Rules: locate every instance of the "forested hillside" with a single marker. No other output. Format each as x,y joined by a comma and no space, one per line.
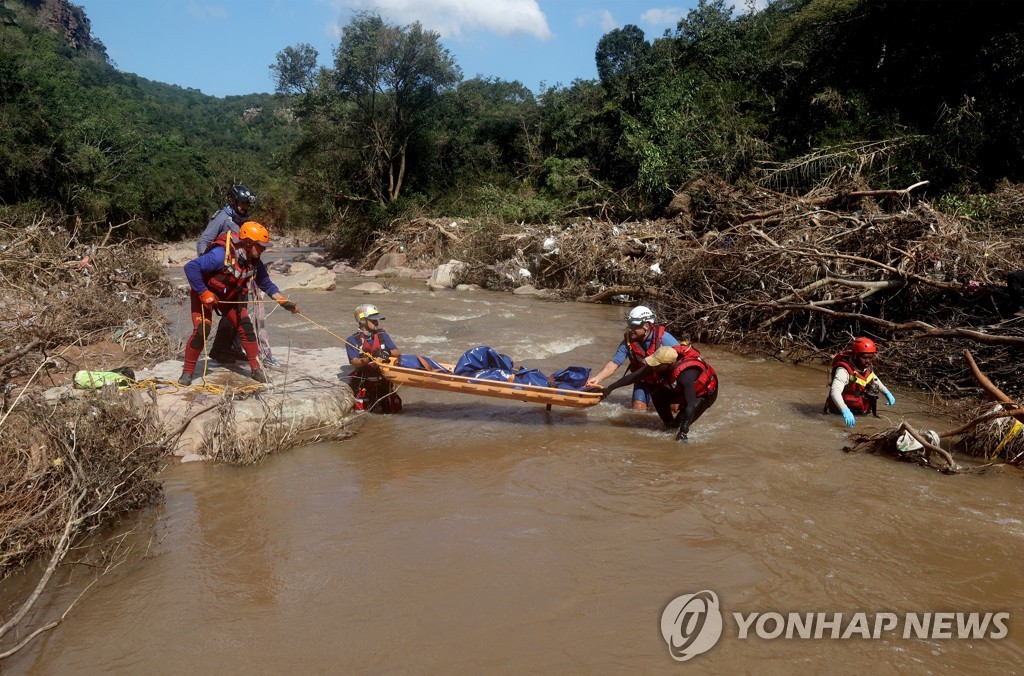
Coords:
79,137
798,94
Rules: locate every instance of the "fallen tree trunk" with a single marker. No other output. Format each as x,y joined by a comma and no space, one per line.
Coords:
994,392
926,330
830,199
609,293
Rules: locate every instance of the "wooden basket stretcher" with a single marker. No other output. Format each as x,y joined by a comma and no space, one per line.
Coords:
448,382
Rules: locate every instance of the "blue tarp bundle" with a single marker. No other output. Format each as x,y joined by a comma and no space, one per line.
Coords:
486,363
482,358
571,378
525,376
501,375
412,361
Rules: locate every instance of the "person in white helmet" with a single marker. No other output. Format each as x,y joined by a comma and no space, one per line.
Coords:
371,342
642,339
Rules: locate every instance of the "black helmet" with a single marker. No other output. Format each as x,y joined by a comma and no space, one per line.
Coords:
241,193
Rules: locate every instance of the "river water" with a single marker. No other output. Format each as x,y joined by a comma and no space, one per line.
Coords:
472,535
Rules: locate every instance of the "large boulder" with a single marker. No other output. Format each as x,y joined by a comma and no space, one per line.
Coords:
306,398
391,260
307,276
344,267
444,276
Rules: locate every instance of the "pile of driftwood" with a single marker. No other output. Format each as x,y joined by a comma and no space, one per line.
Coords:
70,288
995,432
66,472
793,276
70,468
802,278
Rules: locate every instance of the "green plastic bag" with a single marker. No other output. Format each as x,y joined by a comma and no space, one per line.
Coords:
94,380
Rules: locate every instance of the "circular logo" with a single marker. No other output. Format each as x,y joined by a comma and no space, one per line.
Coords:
691,624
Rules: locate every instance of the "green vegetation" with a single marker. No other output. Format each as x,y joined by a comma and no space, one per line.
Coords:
799,93
80,138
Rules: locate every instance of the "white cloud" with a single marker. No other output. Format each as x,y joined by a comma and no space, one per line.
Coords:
602,17
663,16
205,12
451,17
741,6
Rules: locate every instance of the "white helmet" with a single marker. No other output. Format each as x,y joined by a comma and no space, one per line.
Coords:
640,315
367,311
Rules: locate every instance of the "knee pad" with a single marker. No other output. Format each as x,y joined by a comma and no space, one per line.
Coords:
248,330
200,334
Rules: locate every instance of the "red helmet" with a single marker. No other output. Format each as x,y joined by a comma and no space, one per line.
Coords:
863,346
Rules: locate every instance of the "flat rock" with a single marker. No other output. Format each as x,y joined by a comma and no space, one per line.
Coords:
369,287
174,255
307,395
307,276
530,290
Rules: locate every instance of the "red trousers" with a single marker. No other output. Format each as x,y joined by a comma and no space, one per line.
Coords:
237,314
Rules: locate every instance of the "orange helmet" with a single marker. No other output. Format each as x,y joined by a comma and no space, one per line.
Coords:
863,346
255,232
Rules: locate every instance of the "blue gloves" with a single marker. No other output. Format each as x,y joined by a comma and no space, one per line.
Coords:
848,418
890,399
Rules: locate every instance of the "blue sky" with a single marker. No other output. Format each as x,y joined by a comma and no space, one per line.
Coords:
225,47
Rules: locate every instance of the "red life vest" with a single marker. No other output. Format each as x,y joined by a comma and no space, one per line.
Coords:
637,353
855,394
234,278
689,357
366,345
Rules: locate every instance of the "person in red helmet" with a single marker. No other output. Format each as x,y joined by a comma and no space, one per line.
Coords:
219,282
854,387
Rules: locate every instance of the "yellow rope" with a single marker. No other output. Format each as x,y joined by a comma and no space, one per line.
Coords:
344,340
206,387
219,389
1014,431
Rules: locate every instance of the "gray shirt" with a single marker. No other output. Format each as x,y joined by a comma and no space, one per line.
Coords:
220,222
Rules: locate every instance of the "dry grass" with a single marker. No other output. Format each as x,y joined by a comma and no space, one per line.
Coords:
227,444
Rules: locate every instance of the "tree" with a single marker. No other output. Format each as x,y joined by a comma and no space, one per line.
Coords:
295,71
622,58
387,77
484,131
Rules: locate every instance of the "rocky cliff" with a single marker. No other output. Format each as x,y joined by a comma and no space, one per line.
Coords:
69,20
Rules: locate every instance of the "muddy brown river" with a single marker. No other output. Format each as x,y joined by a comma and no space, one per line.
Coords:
470,535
